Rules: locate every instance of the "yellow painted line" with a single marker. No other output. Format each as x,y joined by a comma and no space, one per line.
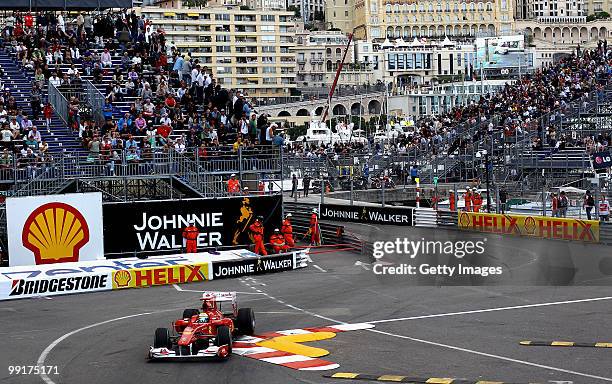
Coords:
291,343
344,375
603,345
391,378
525,342
562,344
489,382
440,380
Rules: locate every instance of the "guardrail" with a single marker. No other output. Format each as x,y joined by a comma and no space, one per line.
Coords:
331,234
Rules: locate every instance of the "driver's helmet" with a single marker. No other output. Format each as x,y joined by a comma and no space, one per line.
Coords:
202,318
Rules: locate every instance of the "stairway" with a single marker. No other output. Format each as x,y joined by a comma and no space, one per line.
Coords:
19,82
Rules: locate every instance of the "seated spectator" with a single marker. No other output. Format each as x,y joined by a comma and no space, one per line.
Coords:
106,59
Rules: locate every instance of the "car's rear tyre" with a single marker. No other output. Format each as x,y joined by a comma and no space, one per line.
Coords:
162,338
224,337
188,313
245,321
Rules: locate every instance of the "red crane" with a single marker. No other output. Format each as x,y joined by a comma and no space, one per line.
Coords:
335,83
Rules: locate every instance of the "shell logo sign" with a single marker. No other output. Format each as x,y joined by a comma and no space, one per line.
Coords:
55,229
55,232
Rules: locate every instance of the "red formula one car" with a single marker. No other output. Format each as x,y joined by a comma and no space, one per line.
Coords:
206,332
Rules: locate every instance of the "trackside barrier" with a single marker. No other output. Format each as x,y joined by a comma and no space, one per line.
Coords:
425,217
106,275
332,235
533,226
605,233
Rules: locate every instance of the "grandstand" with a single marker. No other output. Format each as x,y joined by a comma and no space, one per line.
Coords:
102,70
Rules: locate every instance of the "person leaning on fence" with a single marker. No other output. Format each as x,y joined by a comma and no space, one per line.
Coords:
603,209
563,204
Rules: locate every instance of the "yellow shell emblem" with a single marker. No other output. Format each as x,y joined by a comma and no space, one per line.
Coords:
55,233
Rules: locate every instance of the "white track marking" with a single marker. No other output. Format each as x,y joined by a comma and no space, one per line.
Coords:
269,313
447,346
497,309
498,357
45,353
319,268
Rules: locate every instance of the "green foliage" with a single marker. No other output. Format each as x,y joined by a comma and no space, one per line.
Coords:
598,16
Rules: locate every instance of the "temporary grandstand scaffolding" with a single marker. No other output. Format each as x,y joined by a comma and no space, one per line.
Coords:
124,176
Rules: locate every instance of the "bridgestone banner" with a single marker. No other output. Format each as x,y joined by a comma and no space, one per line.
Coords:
533,226
366,214
155,227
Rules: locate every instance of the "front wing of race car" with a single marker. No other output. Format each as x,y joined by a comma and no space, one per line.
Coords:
211,351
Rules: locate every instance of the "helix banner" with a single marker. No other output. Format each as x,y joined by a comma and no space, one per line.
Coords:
534,226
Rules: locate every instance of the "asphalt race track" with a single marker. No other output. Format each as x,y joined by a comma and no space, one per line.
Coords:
104,337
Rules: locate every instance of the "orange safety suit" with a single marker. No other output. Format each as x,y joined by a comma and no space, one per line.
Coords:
477,201
257,230
278,243
233,186
190,234
315,236
451,199
287,231
468,201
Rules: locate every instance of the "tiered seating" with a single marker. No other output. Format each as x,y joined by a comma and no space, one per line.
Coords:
19,83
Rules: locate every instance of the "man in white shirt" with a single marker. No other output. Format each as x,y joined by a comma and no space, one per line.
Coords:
6,135
604,209
35,134
55,80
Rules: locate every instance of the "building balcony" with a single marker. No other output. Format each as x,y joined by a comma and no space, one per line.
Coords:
561,19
